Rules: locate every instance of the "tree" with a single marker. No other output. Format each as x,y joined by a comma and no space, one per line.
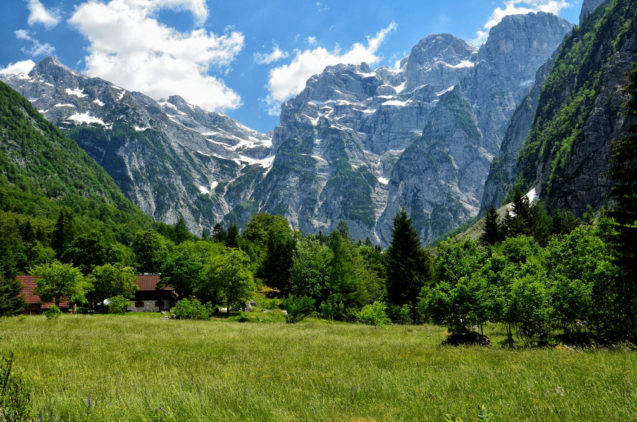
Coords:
57,280
232,237
150,250
309,274
111,280
63,233
219,233
278,262
228,278
11,302
519,220
493,233
623,173
408,266
181,232
87,251
183,269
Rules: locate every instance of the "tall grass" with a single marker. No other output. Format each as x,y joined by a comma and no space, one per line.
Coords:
133,368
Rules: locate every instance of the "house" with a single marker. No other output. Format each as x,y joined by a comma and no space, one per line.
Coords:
147,298
33,303
150,299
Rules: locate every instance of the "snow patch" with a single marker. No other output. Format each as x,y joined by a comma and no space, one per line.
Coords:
396,103
400,88
266,162
527,83
204,190
64,105
438,94
383,180
140,129
80,118
98,102
76,92
462,65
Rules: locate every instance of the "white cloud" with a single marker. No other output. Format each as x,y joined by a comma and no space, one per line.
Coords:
518,7
322,7
310,40
276,55
288,80
18,68
37,48
39,14
129,47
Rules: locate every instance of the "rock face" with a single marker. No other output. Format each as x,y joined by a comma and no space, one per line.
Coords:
170,158
352,147
578,116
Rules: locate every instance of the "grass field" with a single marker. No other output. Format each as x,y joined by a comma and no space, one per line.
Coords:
141,368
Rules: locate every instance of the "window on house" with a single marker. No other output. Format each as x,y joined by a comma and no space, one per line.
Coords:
139,304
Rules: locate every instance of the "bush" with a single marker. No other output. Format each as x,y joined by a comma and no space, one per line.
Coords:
117,305
14,399
192,309
374,314
53,312
298,307
399,314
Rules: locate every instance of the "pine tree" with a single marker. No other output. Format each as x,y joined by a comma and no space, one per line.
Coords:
232,237
623,173
492,231
181,232
408,267
63,233
11,302
218,233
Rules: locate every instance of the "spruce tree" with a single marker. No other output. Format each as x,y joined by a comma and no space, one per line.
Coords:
232,237
181,232
623,173
11,302
492,231
408,267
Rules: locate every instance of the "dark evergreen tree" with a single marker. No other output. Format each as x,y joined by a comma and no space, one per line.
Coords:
11,302
408,266
181,232
232,238
219,233
493,233
518,221
63,233
563,222
278,261
623,173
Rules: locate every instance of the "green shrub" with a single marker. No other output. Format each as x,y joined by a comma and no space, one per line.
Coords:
14,398
53,312
298,307
192,309
117,305
374,314
399,314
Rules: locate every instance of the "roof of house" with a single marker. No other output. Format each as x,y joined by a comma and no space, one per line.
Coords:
28,291
148,282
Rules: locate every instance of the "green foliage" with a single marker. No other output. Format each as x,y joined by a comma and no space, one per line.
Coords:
297,307
150,250
52,313
118,305
109,280
57,280
11,302
228,280
309,274
191,309
183,269
408,266
493,232
374,314
14,397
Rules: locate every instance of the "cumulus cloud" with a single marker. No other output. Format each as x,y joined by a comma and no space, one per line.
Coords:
129,47
276,55
311,40
518,7
37,48
288,80
18,68
39,14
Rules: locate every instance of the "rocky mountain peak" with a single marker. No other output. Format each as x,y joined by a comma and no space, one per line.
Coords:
52,70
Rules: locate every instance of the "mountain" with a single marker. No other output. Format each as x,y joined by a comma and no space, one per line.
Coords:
577,118
170,158
42,172
356,144
359,144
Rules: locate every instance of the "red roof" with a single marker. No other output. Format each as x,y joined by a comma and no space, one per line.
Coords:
148,282
28,291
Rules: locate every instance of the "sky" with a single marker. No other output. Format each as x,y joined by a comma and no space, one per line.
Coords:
239,57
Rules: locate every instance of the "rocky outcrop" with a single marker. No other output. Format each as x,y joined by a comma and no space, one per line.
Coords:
589,7
352,147
579,112
170,158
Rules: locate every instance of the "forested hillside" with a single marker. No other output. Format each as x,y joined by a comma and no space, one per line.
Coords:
46,177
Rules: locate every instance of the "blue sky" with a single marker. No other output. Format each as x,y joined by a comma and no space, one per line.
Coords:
242,57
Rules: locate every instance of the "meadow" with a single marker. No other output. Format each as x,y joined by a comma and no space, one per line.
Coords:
144,368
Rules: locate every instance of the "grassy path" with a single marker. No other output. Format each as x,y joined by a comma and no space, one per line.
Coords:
135,368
